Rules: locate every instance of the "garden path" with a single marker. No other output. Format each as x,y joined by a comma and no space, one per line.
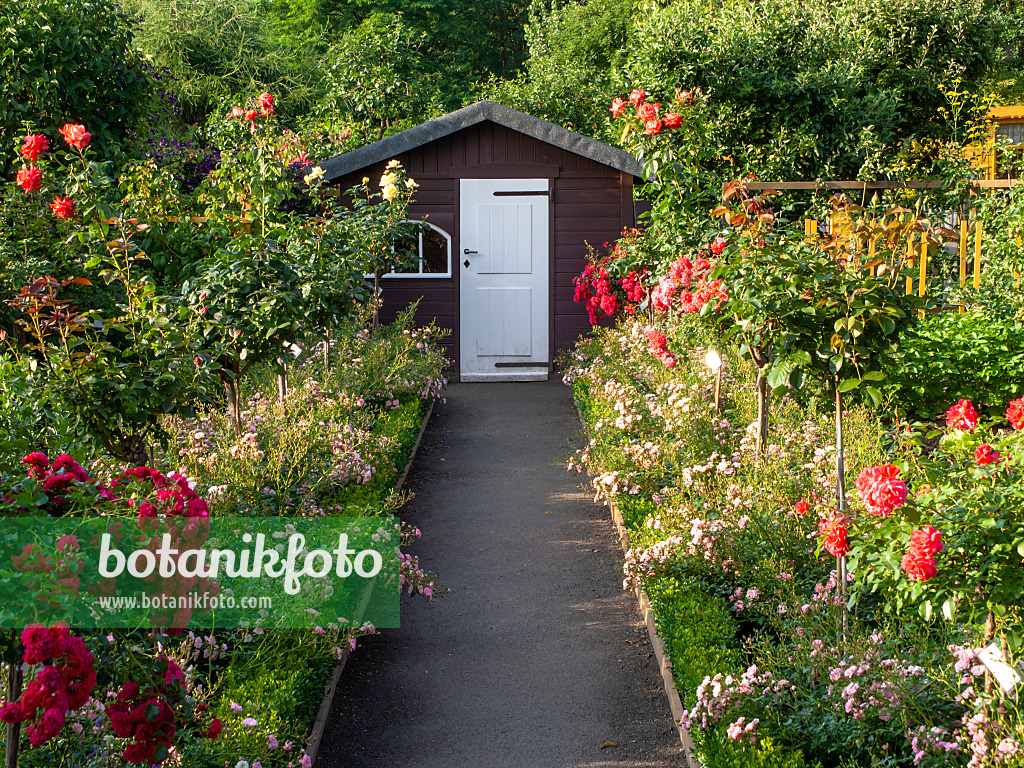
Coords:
537,657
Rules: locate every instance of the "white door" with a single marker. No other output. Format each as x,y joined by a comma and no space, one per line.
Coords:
503,295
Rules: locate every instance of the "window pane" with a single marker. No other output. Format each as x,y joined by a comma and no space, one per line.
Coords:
435,252
406,248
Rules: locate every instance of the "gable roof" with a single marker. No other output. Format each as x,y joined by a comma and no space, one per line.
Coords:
439,127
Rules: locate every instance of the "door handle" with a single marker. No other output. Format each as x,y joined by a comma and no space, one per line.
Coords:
467,251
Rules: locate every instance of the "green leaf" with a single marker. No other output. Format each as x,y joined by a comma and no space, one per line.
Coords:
847,385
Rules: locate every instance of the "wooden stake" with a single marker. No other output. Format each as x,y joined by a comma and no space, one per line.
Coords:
977,255
922,279
963,258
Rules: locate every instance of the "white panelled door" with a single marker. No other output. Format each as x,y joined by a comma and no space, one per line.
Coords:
504,291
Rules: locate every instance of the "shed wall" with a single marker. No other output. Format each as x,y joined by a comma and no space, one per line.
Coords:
592,204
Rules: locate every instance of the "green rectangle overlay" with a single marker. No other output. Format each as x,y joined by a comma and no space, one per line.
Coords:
200,573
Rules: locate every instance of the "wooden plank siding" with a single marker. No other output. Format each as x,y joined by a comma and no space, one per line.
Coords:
592,203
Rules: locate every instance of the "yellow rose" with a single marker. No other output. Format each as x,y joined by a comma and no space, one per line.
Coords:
390,192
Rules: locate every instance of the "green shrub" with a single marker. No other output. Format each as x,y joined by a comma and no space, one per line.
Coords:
949,356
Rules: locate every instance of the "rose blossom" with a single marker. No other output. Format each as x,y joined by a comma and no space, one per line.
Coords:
617,107
919,566
648,111
29,179
34,145
962,417
833,530
881,489
672,120
637,96
62,207
1015,413
652,127
75,135
801,507
986,454
266,102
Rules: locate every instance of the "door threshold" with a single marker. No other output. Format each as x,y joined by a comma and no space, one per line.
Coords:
506,375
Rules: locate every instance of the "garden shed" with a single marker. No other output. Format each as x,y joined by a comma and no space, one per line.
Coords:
511,202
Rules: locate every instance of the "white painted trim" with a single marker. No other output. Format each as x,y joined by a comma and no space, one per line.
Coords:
506,375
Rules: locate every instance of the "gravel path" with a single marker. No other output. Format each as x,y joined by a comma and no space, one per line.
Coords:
537,657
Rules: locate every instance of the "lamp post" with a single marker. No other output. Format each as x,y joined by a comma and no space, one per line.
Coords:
714,361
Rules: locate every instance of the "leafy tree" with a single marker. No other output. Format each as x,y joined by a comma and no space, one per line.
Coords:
569,76
69,61
379,79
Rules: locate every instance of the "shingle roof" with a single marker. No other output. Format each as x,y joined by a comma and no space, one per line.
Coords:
385,149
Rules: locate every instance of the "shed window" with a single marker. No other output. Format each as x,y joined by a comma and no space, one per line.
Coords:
434,248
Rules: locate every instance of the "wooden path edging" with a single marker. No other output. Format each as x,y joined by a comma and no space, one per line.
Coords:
327,703
675,702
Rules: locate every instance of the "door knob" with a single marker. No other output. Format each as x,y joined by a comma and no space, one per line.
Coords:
467,251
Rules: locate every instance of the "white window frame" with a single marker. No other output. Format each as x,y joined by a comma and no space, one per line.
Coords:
419,243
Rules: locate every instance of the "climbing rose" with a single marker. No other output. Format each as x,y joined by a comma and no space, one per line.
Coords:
251,114
29,179
62,207
1015,413
718,245
35,144
881,489
673,120
75,135
637,96
617,107
962,417
832,529
648,111
652,127
985,454
801,507
266,102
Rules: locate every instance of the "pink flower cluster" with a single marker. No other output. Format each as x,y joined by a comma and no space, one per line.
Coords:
60,476
659,347
60,686
881,489
689,279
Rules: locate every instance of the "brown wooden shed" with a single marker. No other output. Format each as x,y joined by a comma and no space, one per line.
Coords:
512,201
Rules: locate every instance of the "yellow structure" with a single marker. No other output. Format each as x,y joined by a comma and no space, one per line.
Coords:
1005,122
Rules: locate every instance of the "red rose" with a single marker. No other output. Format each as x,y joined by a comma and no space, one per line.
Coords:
29,179
266,102
919,566
673,120
75,135
34,145
236,112
684,97
926,541
214,730
718,245
617,107
801,507
648,111
833,530
652,127
62,207
985,454
11,712
637,96
1015,413
251,114
962,417
881,489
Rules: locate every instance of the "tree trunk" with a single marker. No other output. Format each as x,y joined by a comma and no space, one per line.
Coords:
763,404
376,301
841,495
282,382
13,729
134,450
231,393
